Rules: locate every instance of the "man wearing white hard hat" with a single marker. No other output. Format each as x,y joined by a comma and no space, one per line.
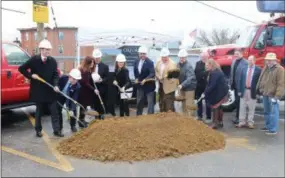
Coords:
271,86
167,84
123,82
101,81
143,71
44,66
187,80
69,85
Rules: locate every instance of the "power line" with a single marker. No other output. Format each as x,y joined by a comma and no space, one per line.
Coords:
12,10
225,12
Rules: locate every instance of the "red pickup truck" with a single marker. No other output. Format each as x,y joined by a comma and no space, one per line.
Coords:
14,86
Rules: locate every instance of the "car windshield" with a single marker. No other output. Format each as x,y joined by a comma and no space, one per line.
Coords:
246,36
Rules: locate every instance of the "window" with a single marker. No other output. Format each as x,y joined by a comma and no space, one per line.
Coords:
60,35
26,36
35,36
278,36
259,44
15,55
60,49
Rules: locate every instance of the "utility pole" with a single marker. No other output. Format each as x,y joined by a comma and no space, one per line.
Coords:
40,16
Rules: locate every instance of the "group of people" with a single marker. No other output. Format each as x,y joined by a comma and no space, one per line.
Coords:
93,85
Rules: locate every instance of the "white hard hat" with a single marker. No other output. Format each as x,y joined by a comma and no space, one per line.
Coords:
142,49
182,53
164,52
75,73
45,44
95,76
121,58
97,53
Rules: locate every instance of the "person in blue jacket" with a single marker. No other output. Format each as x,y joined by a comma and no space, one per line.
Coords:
216,92
71,87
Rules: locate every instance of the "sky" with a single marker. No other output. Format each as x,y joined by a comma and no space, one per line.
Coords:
176,18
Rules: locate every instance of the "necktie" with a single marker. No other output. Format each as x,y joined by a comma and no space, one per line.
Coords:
248,78
44,60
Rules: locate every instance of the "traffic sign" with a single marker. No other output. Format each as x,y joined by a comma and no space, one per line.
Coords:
40,11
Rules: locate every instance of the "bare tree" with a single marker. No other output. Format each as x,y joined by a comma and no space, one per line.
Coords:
217,37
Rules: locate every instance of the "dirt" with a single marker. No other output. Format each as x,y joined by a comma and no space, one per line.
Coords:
142,138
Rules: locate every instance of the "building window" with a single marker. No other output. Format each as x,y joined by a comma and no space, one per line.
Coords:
36,36
60,35
60,49
26,36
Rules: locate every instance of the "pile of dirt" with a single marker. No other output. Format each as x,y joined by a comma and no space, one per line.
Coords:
142,138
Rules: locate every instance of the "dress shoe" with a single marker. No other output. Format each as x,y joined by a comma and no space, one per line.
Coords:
58,134
39,134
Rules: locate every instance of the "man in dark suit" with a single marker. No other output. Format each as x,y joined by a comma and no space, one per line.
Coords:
247,92
143,70
102,83
44,66
71,87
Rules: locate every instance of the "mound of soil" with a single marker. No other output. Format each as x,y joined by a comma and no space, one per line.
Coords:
142,138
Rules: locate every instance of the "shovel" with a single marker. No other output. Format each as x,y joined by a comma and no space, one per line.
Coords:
127,97
87,112
194,107
99,96
147,80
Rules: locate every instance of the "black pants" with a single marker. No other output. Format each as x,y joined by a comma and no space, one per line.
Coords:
82,113
54,116
124,108
72,119
237,101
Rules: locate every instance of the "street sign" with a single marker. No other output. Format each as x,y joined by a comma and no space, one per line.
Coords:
40,11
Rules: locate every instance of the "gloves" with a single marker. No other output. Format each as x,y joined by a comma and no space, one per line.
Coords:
274,100
96,92
115,82
179,87
203,95
123,90
239,94
71,113
142,82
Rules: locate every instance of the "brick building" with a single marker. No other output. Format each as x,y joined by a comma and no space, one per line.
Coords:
63,41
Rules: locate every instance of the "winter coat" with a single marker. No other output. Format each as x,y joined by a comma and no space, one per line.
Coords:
201,77
235,75
147,72
271,82
217,87
40,92
123,79
86,93
242,82
170,66
187,78
72,91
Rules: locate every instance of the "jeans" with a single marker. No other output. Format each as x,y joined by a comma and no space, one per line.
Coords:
237,103
200,110
271,114
140,101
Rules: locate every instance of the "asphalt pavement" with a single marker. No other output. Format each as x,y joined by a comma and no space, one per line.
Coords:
247,153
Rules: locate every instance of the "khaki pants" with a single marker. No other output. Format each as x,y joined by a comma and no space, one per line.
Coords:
247,102
188,102
166,101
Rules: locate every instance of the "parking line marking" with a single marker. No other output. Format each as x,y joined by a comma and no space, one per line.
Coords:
64,164
34,158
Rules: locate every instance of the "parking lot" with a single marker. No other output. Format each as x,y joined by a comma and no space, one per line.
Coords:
247,153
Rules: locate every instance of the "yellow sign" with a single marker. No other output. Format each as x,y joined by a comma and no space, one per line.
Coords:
40,13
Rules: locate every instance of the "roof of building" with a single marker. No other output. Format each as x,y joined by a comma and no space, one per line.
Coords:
47,27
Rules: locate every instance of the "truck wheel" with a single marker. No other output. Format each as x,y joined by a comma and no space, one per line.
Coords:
229,106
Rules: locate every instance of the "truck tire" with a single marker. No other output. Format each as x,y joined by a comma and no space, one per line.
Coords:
229,106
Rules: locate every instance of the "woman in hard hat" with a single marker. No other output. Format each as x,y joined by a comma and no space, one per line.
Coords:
44,66
122,79
87,90
69,85
216,92
188,82
167,86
